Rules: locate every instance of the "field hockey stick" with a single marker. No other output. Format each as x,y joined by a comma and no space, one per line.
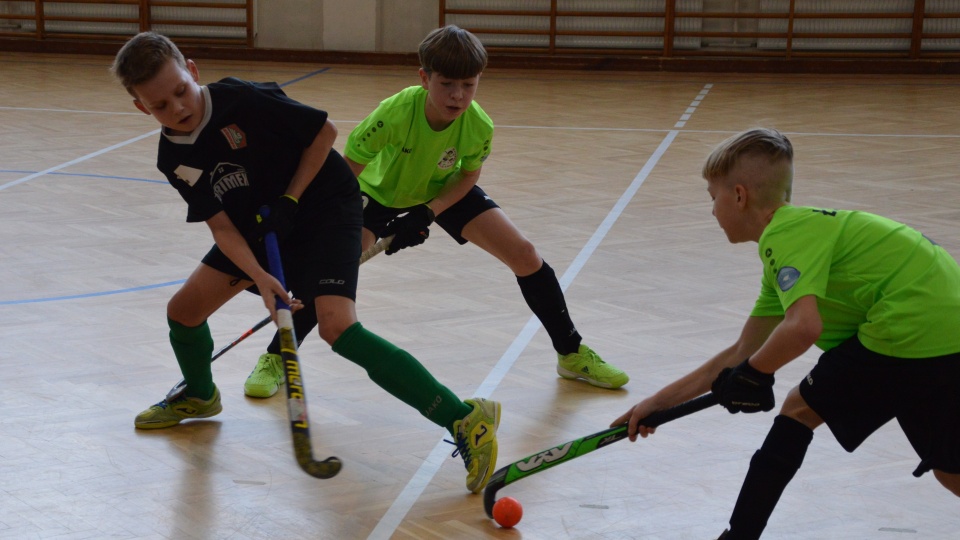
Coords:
377,248
296,394
584,445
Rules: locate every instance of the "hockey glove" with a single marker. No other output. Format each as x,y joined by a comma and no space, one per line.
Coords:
280,219
744,389
410,229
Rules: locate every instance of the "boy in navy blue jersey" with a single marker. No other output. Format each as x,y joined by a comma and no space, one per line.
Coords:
230,148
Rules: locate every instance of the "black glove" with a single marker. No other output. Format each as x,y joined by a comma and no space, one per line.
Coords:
280,218
744,389
410,229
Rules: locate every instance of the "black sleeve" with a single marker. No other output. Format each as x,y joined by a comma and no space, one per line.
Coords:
295,120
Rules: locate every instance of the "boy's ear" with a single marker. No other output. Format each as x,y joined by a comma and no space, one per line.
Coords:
140,106
741,192
424,78
194,70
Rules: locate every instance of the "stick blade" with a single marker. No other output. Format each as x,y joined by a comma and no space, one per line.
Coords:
325,469
490,492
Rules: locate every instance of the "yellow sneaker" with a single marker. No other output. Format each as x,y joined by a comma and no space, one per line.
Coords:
266,378
476,441
587,365
170,413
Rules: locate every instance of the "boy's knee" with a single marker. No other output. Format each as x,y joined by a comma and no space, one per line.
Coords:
525,259
181,311
794,406
331,328
949,481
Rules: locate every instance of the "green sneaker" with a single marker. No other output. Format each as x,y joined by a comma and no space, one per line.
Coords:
170,413
476,441
587,365
266,378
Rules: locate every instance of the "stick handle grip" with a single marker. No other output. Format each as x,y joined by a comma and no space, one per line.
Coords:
687,407
273,258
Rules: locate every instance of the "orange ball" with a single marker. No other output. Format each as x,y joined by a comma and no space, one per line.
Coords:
507,512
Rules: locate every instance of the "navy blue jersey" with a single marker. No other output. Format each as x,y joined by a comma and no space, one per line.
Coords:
244,153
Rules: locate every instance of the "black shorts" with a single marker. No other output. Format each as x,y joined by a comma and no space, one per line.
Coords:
453,219
856,391
320,257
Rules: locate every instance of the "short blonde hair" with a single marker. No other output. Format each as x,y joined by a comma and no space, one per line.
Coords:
759,141
142,57
774,186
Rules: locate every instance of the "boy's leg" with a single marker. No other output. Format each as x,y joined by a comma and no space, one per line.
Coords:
205,291
949,481
493,232
473,423
772,468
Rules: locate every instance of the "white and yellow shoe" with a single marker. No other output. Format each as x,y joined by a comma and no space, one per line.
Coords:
476,441
170,413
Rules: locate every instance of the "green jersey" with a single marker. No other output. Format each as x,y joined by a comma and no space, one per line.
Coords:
407,162
874,277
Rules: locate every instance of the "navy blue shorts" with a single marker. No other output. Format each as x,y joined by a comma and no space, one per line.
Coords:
453,219
856,390
320,257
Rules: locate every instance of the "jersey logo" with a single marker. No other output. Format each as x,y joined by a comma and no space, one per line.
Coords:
227,176
235,136
787,277
188,174
448,159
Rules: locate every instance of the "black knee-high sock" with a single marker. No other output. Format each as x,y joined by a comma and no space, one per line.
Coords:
543,294
304,321
771,469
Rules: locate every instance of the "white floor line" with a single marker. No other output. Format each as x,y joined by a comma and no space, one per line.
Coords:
428,469
78,160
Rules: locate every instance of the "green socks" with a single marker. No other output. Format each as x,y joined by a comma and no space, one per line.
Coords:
193,348
400,374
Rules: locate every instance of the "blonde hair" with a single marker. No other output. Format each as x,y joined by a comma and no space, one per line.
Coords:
452,52
776,184
142,57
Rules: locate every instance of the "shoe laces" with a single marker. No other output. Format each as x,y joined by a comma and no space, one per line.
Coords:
167,401
462,449
265,366
593,357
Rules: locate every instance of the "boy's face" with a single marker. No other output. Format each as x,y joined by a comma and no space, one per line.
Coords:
173,97
447,98
727,208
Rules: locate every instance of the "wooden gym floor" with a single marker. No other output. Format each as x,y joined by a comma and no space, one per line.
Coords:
600,170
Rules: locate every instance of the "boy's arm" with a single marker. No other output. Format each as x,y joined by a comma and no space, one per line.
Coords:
755,332
454,190
357,168
235,247
800,329
312,159
281,216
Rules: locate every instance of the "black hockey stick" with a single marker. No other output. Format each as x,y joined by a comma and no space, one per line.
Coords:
296,395
584,445
377,248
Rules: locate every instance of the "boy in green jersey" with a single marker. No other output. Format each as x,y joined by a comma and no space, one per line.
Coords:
418,157
879,298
